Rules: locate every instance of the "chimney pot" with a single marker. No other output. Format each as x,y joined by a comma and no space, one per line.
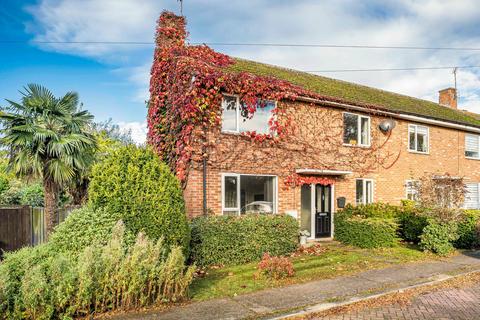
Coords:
448,97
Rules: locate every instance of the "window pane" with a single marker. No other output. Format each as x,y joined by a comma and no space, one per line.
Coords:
231,198
411,138
229,115
257,194
421,142
471,146
359,191
350,128
365,134
259,121
306,208
368,191
471,196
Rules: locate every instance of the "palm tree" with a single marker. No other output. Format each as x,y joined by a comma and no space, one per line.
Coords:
48,138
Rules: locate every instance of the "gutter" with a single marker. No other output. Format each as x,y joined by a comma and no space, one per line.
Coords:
402,116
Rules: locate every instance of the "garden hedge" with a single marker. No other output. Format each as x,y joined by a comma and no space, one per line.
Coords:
438,237
233,240
133,182
468,230
369,226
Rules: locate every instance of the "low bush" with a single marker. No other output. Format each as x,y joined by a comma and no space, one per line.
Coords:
411,224
83,227
234,240
133,182
39,283
366,232
468,230
275,267
438,237
372,210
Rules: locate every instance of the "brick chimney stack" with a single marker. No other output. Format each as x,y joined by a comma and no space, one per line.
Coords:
171,30
448,97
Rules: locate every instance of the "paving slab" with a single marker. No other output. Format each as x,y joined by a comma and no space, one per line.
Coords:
275,301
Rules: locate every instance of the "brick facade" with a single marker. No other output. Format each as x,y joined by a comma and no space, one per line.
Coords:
316,143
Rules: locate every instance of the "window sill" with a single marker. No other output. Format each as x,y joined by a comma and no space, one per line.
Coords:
419,152
472,158
356,145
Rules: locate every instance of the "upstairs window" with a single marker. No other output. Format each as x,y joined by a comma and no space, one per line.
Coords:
364,191
356,129
417,138
233,121
472,146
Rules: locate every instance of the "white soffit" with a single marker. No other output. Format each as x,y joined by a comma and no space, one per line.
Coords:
323,172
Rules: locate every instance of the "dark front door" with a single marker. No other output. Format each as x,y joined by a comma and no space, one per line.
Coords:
323,211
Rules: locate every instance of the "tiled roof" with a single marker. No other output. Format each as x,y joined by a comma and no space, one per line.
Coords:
355,93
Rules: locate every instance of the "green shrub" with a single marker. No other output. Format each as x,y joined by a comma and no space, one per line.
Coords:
438,237
234,240
32,195
411,223
468,230
372,210
39,283
133,182
83,227
365,232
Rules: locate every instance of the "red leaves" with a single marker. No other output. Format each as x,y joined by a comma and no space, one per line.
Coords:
295,180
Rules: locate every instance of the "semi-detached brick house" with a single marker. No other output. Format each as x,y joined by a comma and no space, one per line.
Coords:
366,154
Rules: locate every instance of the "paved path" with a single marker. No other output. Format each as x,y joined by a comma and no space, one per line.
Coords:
452,304
297,297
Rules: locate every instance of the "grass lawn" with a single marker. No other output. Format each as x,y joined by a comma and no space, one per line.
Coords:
337,260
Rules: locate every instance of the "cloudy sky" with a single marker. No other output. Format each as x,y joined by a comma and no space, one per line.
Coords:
112,80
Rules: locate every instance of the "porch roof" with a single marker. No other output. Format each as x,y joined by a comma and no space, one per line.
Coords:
323,172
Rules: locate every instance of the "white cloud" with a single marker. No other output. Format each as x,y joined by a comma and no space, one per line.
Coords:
376,22
138,130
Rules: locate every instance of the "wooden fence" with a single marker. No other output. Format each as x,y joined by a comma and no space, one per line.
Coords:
22,226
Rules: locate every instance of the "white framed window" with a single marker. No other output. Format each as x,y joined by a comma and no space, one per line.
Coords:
356,130
472,146
411,190
234,122
472,197
418,137
364,191
249,193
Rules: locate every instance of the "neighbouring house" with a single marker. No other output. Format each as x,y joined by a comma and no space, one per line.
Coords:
245,136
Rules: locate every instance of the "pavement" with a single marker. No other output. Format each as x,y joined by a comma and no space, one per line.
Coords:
317,295
451,304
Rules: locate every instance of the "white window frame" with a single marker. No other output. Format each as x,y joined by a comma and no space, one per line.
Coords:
359,130
407,188
415,126
237,109
364,190
478,196
238,175
478,146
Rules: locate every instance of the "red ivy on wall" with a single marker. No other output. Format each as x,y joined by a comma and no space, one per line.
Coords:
186,89
295,180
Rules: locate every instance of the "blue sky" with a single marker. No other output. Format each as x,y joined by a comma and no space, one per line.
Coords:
112,80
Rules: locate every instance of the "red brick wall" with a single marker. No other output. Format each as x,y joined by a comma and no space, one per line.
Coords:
316,143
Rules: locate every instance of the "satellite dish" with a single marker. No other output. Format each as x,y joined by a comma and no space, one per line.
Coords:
387,125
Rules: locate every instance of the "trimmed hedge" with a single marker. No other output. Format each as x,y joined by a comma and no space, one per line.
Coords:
366,233
411,224
133,182
234,240
468,230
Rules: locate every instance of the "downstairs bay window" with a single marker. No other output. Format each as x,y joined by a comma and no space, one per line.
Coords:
245,193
